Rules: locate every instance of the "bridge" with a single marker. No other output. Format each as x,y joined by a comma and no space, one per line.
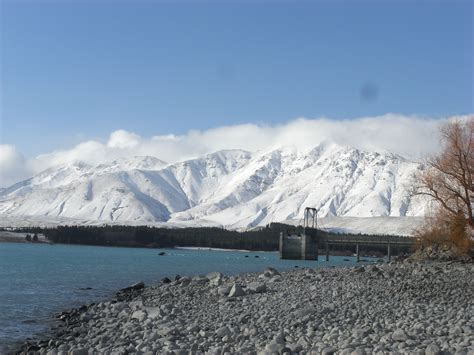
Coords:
306,246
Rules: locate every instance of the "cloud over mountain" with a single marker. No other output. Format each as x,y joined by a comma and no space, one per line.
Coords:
410,136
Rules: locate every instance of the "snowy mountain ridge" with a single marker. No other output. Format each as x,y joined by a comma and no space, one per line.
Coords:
230,188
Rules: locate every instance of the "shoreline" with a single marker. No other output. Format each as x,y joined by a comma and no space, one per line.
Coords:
17,237
343,253
219,249
399,307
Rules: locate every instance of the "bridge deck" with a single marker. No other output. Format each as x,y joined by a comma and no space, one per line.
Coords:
368,240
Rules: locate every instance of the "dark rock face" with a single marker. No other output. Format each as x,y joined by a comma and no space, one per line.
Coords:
130,292
165,280
134,287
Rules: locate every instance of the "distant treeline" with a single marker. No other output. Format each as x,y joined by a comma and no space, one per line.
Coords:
265,238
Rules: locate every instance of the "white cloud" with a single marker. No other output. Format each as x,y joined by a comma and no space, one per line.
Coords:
12,165
123,139
406,135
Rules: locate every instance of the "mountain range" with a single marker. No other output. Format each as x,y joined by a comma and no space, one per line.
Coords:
229,188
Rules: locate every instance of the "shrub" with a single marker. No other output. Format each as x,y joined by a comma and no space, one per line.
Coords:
445,231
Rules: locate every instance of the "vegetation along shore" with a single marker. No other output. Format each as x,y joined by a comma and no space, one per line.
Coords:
260,239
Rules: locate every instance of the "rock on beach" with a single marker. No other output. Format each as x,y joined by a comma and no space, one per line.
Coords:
396,308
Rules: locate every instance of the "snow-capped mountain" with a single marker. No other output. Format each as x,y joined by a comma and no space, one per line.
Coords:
231,188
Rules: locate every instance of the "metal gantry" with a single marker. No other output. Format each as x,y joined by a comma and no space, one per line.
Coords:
310,218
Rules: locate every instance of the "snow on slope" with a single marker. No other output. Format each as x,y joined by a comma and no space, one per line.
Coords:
231,188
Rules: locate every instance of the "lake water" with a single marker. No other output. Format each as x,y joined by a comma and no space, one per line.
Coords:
37,280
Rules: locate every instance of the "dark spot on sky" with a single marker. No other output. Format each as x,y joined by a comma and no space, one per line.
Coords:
369,92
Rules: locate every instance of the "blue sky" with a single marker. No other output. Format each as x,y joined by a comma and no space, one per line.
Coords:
76,70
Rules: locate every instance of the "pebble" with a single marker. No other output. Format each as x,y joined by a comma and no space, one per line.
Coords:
410,308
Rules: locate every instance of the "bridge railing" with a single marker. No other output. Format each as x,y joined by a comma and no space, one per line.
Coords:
368,240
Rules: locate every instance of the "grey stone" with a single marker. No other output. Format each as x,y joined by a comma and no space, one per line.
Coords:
214,274
215,278
236,291
223,290
79,352
328,351
276,278
165,280
274,347
422,312
432,349
140,315
166,330
134,287
256,287
154,312
184,280
200,279
223,331
358,352
271,272
63,347
399,335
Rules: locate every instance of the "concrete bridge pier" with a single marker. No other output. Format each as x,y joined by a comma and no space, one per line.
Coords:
327,251
389,252
358,252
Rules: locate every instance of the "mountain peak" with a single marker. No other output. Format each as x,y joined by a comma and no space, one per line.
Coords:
130,163
229,187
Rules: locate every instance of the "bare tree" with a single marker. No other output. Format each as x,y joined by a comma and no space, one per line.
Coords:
448,178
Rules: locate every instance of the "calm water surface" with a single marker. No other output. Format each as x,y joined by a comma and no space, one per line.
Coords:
37,280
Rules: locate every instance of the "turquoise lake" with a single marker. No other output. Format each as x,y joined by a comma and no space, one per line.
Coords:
38,280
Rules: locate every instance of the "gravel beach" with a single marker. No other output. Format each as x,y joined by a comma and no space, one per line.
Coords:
394,308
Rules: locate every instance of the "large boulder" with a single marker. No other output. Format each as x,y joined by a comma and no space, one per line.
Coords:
215,278
274,347
166,330
154,312
432,349
200,279
139,315
223,331
80,351
165,280
399,335
134,287
271,272
256,287
223,290
183,280
136,305
213,275
236,291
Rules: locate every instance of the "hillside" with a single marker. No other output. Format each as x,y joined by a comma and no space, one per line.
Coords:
231,188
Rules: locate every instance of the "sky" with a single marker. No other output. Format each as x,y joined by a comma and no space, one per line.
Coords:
78,74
